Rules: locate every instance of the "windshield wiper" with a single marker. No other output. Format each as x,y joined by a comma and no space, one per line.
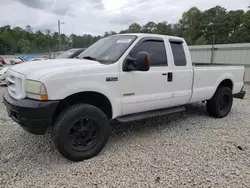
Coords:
90,58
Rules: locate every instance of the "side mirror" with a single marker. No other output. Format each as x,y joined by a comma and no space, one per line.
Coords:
142,62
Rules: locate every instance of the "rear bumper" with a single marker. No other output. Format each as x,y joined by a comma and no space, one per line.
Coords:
32,115
240,95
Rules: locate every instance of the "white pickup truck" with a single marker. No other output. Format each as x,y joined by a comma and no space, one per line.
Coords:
122,78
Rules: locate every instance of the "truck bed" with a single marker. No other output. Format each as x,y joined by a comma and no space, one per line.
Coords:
207,77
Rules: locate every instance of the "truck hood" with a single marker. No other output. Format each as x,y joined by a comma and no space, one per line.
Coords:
36,69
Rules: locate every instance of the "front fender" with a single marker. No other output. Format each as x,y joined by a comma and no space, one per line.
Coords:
112,93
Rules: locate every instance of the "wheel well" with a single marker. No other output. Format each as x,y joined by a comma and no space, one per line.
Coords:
227,83
96,99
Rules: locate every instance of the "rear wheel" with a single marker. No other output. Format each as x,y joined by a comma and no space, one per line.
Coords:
81,132
221,103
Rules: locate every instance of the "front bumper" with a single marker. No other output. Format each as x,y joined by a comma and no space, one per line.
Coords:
33,116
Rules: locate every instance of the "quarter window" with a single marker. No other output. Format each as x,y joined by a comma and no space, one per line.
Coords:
178,53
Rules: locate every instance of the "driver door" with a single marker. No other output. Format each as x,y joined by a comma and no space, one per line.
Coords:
150,90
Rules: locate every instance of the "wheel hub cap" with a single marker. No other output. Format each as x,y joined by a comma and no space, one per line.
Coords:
83,133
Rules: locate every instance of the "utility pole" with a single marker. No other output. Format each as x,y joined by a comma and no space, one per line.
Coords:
212,53
212,50
72,42
59,32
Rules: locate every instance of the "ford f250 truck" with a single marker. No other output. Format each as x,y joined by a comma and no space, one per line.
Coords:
120,78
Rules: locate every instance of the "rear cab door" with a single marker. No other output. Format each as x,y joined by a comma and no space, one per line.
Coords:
182,71
150,90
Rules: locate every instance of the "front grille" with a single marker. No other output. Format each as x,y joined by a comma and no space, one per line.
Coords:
16,84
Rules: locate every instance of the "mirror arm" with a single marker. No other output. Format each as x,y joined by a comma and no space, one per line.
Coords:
129,64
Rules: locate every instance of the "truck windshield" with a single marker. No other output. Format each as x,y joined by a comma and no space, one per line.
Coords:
108,50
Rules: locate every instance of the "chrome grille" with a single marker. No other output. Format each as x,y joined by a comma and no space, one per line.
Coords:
16,84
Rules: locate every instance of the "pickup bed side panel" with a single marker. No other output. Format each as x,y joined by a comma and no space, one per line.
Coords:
208,78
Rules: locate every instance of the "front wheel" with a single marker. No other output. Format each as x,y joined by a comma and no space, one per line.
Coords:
221,103
81,132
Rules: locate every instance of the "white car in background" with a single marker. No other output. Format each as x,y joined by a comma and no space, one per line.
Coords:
37,59
16,61
5,68
3,75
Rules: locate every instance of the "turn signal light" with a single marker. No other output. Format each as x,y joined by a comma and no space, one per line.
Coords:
44,97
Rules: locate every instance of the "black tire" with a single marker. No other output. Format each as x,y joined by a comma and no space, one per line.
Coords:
221,103
66,122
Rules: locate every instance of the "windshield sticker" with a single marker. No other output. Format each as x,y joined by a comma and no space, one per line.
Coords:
124,41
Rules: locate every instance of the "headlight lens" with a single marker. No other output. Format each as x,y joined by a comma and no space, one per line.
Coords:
36,90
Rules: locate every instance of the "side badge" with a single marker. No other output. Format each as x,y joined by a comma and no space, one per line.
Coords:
111,79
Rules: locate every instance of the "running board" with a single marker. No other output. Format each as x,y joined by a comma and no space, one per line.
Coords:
149,114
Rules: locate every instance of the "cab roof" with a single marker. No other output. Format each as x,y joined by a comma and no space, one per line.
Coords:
151,35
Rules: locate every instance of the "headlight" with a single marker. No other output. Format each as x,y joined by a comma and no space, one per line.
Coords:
36,90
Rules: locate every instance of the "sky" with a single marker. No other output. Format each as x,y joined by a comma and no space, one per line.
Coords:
97,16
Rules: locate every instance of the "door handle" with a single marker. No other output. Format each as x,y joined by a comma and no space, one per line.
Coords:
164,74
170,77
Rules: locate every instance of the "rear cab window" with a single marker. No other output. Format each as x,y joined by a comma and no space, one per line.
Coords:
178,53
155,49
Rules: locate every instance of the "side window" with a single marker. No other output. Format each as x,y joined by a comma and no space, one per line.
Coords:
178,53
156,51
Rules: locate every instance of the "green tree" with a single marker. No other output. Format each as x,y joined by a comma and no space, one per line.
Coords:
163,28
109,33
201,41
149,27
244,31
134,28
235,22
5,46
29,29
24,46
191,23
177,30
5,28
214,22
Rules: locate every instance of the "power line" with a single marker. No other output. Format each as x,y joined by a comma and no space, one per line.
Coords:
123,7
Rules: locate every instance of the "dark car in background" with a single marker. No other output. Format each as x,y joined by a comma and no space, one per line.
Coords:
72,53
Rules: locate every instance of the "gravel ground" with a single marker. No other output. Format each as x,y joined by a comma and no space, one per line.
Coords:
182,150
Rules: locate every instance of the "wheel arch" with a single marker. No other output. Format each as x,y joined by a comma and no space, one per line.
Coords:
226,83
225,80
89,97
